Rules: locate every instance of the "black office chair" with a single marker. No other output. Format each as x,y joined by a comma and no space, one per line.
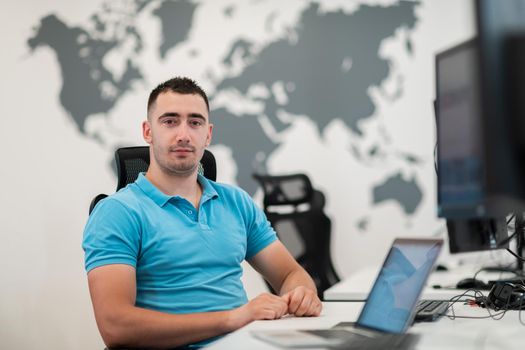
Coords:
295,210
131,161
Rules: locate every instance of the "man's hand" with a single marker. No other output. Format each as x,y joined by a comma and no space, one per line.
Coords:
286,276
303,301
264,307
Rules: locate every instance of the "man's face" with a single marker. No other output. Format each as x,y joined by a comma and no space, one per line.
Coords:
178,130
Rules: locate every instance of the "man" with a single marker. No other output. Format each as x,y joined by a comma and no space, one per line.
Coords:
163,255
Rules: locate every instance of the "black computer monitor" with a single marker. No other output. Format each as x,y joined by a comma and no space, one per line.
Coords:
464,143
501,45
480,115
480,89
462,191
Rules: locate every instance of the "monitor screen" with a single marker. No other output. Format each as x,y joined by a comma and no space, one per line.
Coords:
460,138
480,110
480,116
501,33
463,196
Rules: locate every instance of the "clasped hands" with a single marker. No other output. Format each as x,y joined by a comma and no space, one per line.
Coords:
300,301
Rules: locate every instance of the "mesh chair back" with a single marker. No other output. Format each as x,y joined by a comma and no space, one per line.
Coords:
285,189
131,161
295,210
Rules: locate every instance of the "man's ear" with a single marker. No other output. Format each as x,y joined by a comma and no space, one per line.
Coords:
210,133
146,131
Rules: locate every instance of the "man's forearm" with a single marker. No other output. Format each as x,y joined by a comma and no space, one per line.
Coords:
122,324
297,278
137,327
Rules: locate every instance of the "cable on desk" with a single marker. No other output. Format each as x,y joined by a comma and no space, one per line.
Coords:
519,313
486,302
477,294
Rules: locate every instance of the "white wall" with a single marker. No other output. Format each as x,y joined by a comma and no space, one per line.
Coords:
51,171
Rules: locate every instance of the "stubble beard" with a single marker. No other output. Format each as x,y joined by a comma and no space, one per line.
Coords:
179,167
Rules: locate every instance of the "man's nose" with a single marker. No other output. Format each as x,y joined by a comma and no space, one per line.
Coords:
183,134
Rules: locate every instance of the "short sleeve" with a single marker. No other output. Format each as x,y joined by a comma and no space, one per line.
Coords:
260,233
111,235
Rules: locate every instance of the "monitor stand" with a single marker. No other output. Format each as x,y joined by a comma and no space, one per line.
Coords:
519,235
478,234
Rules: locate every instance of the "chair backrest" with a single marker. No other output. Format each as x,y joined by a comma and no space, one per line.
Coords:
295,210
131,161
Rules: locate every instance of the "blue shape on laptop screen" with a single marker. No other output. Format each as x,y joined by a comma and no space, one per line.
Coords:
398,287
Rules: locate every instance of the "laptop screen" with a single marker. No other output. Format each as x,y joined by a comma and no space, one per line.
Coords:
397,288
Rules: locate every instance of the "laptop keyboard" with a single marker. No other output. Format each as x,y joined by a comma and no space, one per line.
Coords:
430,310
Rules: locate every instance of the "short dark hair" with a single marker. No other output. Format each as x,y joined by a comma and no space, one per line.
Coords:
180,85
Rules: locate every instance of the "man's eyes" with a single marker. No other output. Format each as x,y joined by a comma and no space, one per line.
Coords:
196,122
191,122
169,122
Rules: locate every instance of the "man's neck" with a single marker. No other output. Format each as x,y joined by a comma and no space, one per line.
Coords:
185,186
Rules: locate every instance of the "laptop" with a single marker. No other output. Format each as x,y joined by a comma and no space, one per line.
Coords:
389,310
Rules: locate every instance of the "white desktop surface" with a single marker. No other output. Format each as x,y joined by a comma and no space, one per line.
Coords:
507,333
358,285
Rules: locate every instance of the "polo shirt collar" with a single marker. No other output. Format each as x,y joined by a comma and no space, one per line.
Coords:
160,198
208,191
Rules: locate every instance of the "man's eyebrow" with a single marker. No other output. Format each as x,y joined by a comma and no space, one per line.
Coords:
197,115
175,114
169,114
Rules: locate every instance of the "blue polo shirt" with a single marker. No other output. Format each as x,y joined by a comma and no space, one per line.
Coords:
186,261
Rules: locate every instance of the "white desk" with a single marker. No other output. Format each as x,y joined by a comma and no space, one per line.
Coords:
357,286
464,334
